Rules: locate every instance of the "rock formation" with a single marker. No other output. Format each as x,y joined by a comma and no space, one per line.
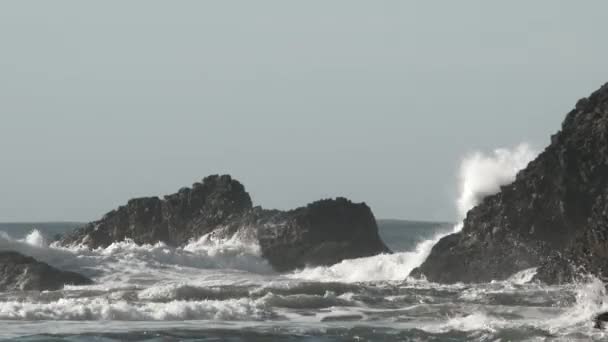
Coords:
322,233
21,273
554,215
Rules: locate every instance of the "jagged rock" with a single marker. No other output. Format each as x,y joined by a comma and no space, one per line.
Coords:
555,214
22,273
322,233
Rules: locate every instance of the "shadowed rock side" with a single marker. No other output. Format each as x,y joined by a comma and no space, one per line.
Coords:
21,273
322,233
555,214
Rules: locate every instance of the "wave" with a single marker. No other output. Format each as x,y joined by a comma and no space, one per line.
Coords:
126,263
87,309
383,267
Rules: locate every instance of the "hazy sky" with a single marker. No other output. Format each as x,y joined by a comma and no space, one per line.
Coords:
374,100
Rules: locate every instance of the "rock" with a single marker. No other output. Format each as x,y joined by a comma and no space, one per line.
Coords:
22,273
600,320
554,215
322,233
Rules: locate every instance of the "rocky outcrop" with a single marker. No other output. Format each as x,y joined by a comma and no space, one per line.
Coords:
554,215
322,233
22,273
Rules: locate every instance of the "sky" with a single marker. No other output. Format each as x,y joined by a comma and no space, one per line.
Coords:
377,101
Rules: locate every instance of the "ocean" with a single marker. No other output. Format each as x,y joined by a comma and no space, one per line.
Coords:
212,290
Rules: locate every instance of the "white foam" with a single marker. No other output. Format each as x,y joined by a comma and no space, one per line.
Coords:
82,309
523,277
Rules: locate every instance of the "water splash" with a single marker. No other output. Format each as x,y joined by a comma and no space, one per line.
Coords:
479,175
482,175
36,238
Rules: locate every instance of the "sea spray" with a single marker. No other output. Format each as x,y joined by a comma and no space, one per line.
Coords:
482,175
36,238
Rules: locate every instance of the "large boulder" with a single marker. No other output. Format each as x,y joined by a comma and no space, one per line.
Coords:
554,215
322,233
22,273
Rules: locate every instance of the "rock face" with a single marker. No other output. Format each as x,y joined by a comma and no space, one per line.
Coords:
555,214
322,233
21,273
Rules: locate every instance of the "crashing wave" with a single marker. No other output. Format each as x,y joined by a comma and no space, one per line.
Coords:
480,175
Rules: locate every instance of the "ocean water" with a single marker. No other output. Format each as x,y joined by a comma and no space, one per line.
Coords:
222,290
214,290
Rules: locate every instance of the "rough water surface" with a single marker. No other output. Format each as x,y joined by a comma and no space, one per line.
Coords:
215,290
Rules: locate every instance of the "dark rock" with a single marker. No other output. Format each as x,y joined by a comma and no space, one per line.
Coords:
554,215
188,214
600,320
322,233
22,273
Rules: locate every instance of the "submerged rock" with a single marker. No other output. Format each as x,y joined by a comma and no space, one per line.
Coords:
22,273
322,233
554,215
601,320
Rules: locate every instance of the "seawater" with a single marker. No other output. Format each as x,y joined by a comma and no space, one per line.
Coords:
215,290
